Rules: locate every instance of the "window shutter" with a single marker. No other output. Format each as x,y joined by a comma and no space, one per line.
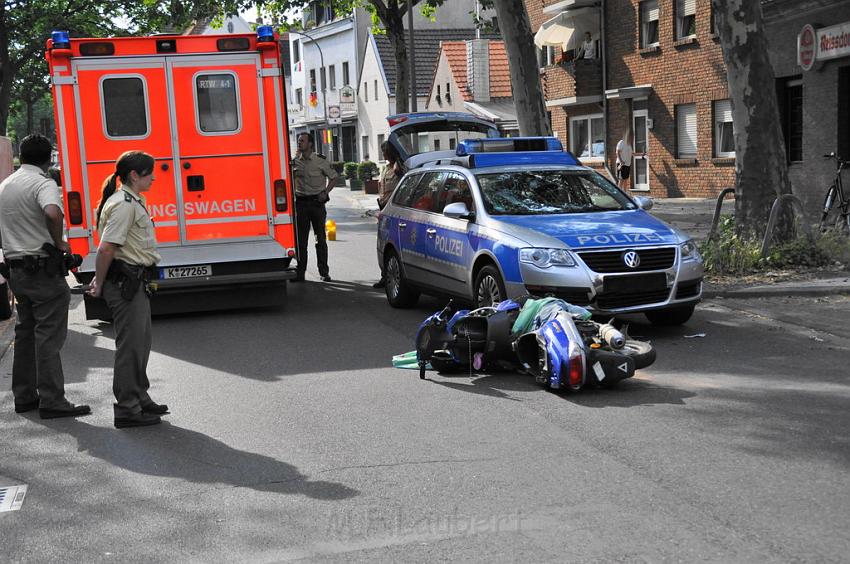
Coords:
651,10
687,7
723,111
686,118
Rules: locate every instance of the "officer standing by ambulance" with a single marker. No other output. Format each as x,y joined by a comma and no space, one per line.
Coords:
314,179
30,216
125,264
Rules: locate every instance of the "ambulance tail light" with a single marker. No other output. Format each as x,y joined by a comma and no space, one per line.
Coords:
75,208
280,202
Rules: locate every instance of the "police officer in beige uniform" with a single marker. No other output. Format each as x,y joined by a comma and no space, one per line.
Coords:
125,264
314,179
30,216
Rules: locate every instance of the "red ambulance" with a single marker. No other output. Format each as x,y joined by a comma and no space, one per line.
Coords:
212,112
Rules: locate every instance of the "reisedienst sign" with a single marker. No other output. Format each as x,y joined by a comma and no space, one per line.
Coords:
823,44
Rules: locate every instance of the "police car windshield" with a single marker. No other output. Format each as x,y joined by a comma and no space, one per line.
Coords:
439,136
545,192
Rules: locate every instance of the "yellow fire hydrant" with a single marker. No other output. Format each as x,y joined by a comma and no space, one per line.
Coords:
330,228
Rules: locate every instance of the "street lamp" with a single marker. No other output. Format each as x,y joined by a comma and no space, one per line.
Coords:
322,70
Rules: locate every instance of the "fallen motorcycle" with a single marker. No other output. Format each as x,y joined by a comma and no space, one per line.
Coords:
556,342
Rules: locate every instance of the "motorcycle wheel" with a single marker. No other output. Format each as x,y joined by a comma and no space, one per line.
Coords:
642,352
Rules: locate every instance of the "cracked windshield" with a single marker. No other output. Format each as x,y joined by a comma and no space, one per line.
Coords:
538,192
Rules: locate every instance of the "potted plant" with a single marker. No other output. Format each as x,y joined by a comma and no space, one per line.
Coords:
350,170
339,168
366,171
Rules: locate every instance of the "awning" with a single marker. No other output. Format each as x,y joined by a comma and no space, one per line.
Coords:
560,30
642,91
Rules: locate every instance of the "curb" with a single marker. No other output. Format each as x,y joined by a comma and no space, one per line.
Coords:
841,286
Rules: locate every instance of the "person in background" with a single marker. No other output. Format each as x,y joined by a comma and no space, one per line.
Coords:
390,175
588,47
624,159
314,180
31,216
125,264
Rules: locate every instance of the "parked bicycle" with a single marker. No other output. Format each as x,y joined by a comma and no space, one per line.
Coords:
836,205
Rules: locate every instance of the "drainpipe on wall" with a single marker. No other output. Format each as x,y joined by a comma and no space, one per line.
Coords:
604,89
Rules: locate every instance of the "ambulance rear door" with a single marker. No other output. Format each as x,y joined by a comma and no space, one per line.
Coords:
120,106
221,148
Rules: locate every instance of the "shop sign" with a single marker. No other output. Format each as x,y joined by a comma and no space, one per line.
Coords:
346,95
826,43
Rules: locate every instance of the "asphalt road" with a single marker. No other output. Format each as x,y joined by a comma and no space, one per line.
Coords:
292,437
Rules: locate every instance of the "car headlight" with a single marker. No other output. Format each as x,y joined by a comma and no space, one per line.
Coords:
544,258
690,251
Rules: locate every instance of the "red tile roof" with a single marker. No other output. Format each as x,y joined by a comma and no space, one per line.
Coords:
500,76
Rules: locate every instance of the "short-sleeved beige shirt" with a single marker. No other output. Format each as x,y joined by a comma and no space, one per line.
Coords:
311,174
125,221
23,197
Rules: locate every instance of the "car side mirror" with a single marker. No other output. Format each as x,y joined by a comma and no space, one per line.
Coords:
644,202
458,210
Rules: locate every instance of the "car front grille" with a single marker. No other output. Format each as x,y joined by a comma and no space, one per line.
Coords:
612,261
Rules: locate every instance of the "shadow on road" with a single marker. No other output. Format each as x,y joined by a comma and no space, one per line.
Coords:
174,452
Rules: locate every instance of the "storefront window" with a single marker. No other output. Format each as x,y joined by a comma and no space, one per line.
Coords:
587,137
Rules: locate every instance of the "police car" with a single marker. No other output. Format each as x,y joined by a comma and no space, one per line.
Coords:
503,217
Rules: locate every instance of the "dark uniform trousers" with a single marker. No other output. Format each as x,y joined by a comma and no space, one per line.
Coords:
133,334
311,212
40,332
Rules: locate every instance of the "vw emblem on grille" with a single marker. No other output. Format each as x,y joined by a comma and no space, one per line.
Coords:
631,259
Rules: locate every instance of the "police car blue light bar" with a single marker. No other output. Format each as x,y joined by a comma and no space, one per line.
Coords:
484,160
61,39
508,145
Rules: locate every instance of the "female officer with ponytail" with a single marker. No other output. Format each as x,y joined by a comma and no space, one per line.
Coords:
126,260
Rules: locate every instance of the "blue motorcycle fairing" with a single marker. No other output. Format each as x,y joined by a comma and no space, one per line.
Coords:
507,305
557,352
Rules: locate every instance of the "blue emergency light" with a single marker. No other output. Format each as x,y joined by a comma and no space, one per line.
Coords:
508,145
61,39
265,33
515,151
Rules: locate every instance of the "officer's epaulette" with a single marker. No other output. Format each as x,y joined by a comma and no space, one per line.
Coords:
128,197
321,155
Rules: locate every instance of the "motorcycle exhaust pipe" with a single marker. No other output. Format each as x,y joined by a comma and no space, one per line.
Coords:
612,337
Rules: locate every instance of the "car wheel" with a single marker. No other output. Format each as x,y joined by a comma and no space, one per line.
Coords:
399,292
641,352
671,316
489,288
7,301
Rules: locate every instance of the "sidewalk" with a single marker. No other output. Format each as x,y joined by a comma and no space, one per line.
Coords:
694,216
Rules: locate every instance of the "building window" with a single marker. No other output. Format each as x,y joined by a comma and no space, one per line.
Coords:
686,19
546,56
380,144
312,80
439,98
843,122
365,91
791,113
713,17
448,94
686,131
587,137
296,51
648,23
332,76
375,91
452,144
365,147
724,140
299,96
324,78
345,81
436,144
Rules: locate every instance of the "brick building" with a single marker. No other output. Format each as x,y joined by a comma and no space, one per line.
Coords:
659,70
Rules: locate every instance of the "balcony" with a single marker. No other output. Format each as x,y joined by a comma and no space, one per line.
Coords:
573,78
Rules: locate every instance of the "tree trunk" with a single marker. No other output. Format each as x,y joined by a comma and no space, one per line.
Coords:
395,33
6,72
525,77
761,168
